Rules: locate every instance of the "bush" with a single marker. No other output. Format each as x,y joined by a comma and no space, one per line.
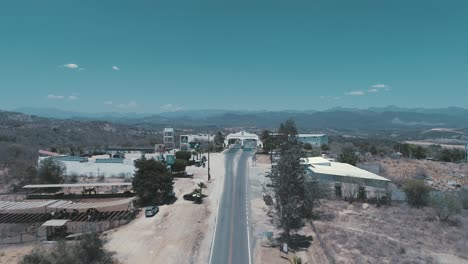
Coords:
445,205
179,165
183,155
417,193
464,197
89,250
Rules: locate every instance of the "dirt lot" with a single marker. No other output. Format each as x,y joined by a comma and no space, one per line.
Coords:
443,175
391,234
179,233
265,249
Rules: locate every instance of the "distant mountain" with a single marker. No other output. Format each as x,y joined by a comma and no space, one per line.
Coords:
384,118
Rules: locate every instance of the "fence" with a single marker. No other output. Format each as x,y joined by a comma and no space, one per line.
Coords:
328,254
26,233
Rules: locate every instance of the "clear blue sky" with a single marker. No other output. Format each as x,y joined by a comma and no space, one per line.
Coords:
152,56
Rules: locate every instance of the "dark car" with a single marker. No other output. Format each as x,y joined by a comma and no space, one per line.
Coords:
151,211
191,196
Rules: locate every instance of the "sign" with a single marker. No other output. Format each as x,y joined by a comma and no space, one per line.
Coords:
285,248
170,159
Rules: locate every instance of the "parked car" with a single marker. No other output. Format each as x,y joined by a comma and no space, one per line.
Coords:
191,196
151,211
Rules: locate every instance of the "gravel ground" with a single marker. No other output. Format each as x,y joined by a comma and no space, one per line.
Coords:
179,233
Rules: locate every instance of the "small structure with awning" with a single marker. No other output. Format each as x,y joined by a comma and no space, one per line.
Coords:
55,228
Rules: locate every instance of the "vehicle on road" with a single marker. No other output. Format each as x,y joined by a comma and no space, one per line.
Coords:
150,211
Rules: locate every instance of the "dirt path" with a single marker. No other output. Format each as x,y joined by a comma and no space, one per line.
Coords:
179,233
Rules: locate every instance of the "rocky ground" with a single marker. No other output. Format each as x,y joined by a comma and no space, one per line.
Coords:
391,234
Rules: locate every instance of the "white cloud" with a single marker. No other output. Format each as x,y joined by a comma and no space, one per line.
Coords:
115,68
373,90
131,104
380,86
71,66
73,97
108,102
55,97
360,92
170,108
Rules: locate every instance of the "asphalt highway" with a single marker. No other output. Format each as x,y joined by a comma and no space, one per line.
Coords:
231,243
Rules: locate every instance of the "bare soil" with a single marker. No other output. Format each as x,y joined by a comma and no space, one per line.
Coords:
391,234
179,233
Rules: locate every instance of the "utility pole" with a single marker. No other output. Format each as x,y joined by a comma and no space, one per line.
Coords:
209,145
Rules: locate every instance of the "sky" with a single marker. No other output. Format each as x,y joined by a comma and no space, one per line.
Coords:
157,56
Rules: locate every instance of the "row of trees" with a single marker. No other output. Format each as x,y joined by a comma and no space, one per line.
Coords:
434,151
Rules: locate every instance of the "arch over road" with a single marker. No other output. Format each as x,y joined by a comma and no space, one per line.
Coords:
243,137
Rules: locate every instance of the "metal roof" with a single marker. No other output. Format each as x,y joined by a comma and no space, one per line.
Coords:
77,185
323,166
70,205
114,160
55,222
28,205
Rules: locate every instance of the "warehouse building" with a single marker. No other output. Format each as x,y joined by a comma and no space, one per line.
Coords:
313,139
336,172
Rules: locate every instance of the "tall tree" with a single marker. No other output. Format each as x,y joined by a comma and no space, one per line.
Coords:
152,182
51,172
219,141
288,129
348,156
289,188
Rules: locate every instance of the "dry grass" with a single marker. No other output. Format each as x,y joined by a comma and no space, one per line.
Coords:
394,234
398,170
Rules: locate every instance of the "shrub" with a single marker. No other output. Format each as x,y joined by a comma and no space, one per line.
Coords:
179,165
89,250
417,192
445,205
183,155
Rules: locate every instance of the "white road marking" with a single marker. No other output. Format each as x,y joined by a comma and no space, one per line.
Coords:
247,212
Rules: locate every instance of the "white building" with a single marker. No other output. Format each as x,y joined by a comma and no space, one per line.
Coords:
330,171
243,137
169,138
101,165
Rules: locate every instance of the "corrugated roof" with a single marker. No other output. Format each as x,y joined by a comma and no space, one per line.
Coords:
344,169
55,222
28,205
311,135
74,185
114,160
70,205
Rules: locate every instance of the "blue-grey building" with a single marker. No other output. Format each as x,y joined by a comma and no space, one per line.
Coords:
313,139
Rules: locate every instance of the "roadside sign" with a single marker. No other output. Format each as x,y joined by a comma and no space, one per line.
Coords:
170,159
285,248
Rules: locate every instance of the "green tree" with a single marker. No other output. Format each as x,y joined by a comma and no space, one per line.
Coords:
183,155
51,172
325,147
348,156
307,146
179,165
219,141
288,129
152,182
417,193
89,250
419,152
289,179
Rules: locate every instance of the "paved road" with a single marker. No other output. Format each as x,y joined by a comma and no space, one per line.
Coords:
231,245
